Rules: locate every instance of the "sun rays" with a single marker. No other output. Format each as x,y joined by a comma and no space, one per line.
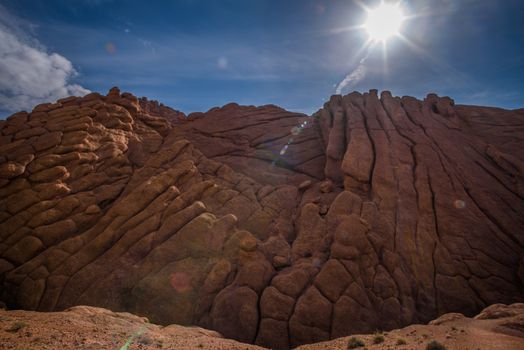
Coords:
387,22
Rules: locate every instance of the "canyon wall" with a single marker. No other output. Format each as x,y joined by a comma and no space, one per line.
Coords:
269,226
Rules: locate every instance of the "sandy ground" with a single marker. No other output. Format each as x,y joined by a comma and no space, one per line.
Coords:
90,328
454,335
82,327
454,331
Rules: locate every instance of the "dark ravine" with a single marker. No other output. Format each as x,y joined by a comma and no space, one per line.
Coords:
268,226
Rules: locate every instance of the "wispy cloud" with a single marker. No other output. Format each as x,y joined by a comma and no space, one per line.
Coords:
352,78
29,75
356,76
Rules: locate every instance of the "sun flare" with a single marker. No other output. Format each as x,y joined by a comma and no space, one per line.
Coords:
384,22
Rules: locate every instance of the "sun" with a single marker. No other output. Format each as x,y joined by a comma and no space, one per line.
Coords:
384,22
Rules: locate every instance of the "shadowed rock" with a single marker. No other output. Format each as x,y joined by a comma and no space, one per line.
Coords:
268,226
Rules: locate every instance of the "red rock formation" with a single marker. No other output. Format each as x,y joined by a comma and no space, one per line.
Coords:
268,226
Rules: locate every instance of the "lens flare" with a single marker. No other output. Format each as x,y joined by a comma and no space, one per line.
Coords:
181,282
459,204
110,48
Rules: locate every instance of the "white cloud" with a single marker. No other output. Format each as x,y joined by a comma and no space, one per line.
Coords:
352,79
356,75
29,75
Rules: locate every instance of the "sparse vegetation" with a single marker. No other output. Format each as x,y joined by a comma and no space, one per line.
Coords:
401,341
378,338
435,345
15,327
355,342
145,340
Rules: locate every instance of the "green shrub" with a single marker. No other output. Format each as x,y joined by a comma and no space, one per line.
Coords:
15,327
145,340
378,338
355,342
401,342
435,345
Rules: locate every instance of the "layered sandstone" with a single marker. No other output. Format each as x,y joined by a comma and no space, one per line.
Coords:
271,227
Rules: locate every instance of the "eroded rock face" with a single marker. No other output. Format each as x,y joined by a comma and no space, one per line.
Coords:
268,226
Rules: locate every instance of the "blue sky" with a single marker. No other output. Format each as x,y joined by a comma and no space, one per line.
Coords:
195,54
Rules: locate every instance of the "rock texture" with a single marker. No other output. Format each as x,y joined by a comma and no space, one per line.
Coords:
271,227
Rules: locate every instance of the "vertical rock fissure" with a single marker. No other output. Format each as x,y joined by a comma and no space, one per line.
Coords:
437,240
373,148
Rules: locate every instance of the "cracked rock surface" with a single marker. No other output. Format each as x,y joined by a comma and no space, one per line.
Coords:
268,226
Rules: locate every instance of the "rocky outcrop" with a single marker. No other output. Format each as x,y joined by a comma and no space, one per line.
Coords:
268,226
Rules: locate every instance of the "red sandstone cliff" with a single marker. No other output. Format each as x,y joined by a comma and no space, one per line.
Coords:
268,226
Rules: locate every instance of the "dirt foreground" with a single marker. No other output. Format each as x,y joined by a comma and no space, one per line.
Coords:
497,327
85,327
